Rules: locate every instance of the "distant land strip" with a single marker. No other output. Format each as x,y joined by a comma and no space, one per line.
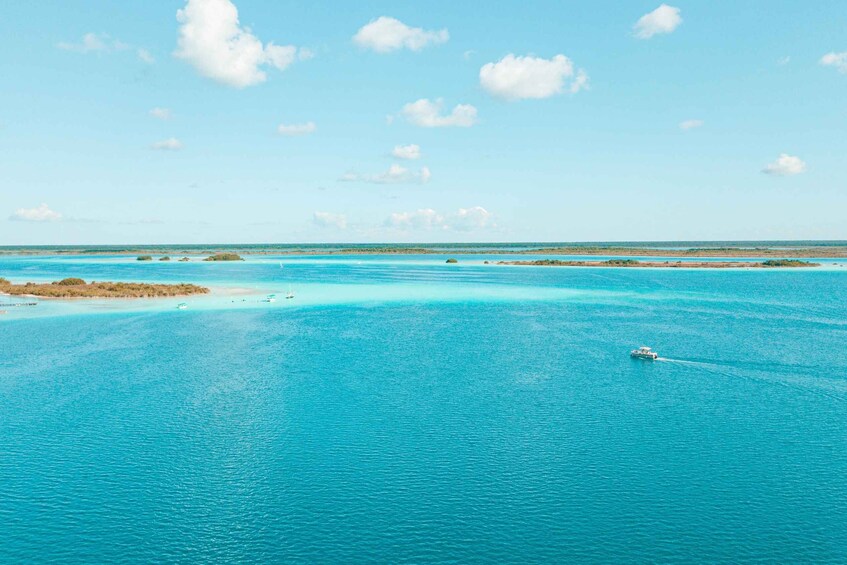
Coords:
781,263
807,251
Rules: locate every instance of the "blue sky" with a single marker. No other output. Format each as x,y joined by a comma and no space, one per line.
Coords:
570,124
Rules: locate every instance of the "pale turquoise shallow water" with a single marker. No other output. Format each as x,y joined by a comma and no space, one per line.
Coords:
404,410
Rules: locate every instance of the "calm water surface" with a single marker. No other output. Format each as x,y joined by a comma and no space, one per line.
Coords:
404,410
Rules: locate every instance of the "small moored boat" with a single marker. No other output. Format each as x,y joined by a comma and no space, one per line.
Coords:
270,298
182,306
644,352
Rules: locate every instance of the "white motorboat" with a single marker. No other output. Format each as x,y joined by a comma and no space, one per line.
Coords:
182,306
644,352
270,298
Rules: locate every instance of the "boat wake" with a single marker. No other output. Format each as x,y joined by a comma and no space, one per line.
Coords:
834,390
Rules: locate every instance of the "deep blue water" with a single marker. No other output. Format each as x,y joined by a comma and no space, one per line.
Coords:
471,413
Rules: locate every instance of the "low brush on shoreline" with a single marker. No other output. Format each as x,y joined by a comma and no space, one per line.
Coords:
78,288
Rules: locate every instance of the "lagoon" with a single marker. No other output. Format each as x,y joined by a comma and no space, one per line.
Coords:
403,410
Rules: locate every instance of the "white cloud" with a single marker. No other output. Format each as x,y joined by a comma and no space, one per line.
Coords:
102,43
170,144
213,42
663,19
465,219
411,151
514,77
690,124
427,114
837,60
468,219
330,220
161,113
394,175
785,165
145,56
386,34
41,213
425,218
580,82
91,43
296,129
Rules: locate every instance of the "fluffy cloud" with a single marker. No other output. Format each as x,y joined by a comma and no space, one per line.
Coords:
91,43
170,144
465,219
410,151
515,77
394,175
296,129
102,43
425,218
690,124
213,42
426,113
468,219
161,113
837,60
385,34
785,165
41,213
663,19
330,220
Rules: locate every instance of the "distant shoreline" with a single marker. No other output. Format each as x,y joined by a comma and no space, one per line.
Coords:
791,264
784,250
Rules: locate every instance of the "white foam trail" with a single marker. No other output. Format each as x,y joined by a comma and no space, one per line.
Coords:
812,386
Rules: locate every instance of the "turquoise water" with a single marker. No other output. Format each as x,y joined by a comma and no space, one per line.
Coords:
404,410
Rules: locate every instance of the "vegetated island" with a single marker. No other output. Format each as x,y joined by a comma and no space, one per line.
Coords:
224,257
770,263
78,288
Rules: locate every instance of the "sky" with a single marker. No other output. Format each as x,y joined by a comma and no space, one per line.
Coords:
260,121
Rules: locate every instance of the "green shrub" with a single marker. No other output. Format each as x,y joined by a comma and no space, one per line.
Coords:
144,258
224,257
452,260
71,281
165,258
787,263
621,262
